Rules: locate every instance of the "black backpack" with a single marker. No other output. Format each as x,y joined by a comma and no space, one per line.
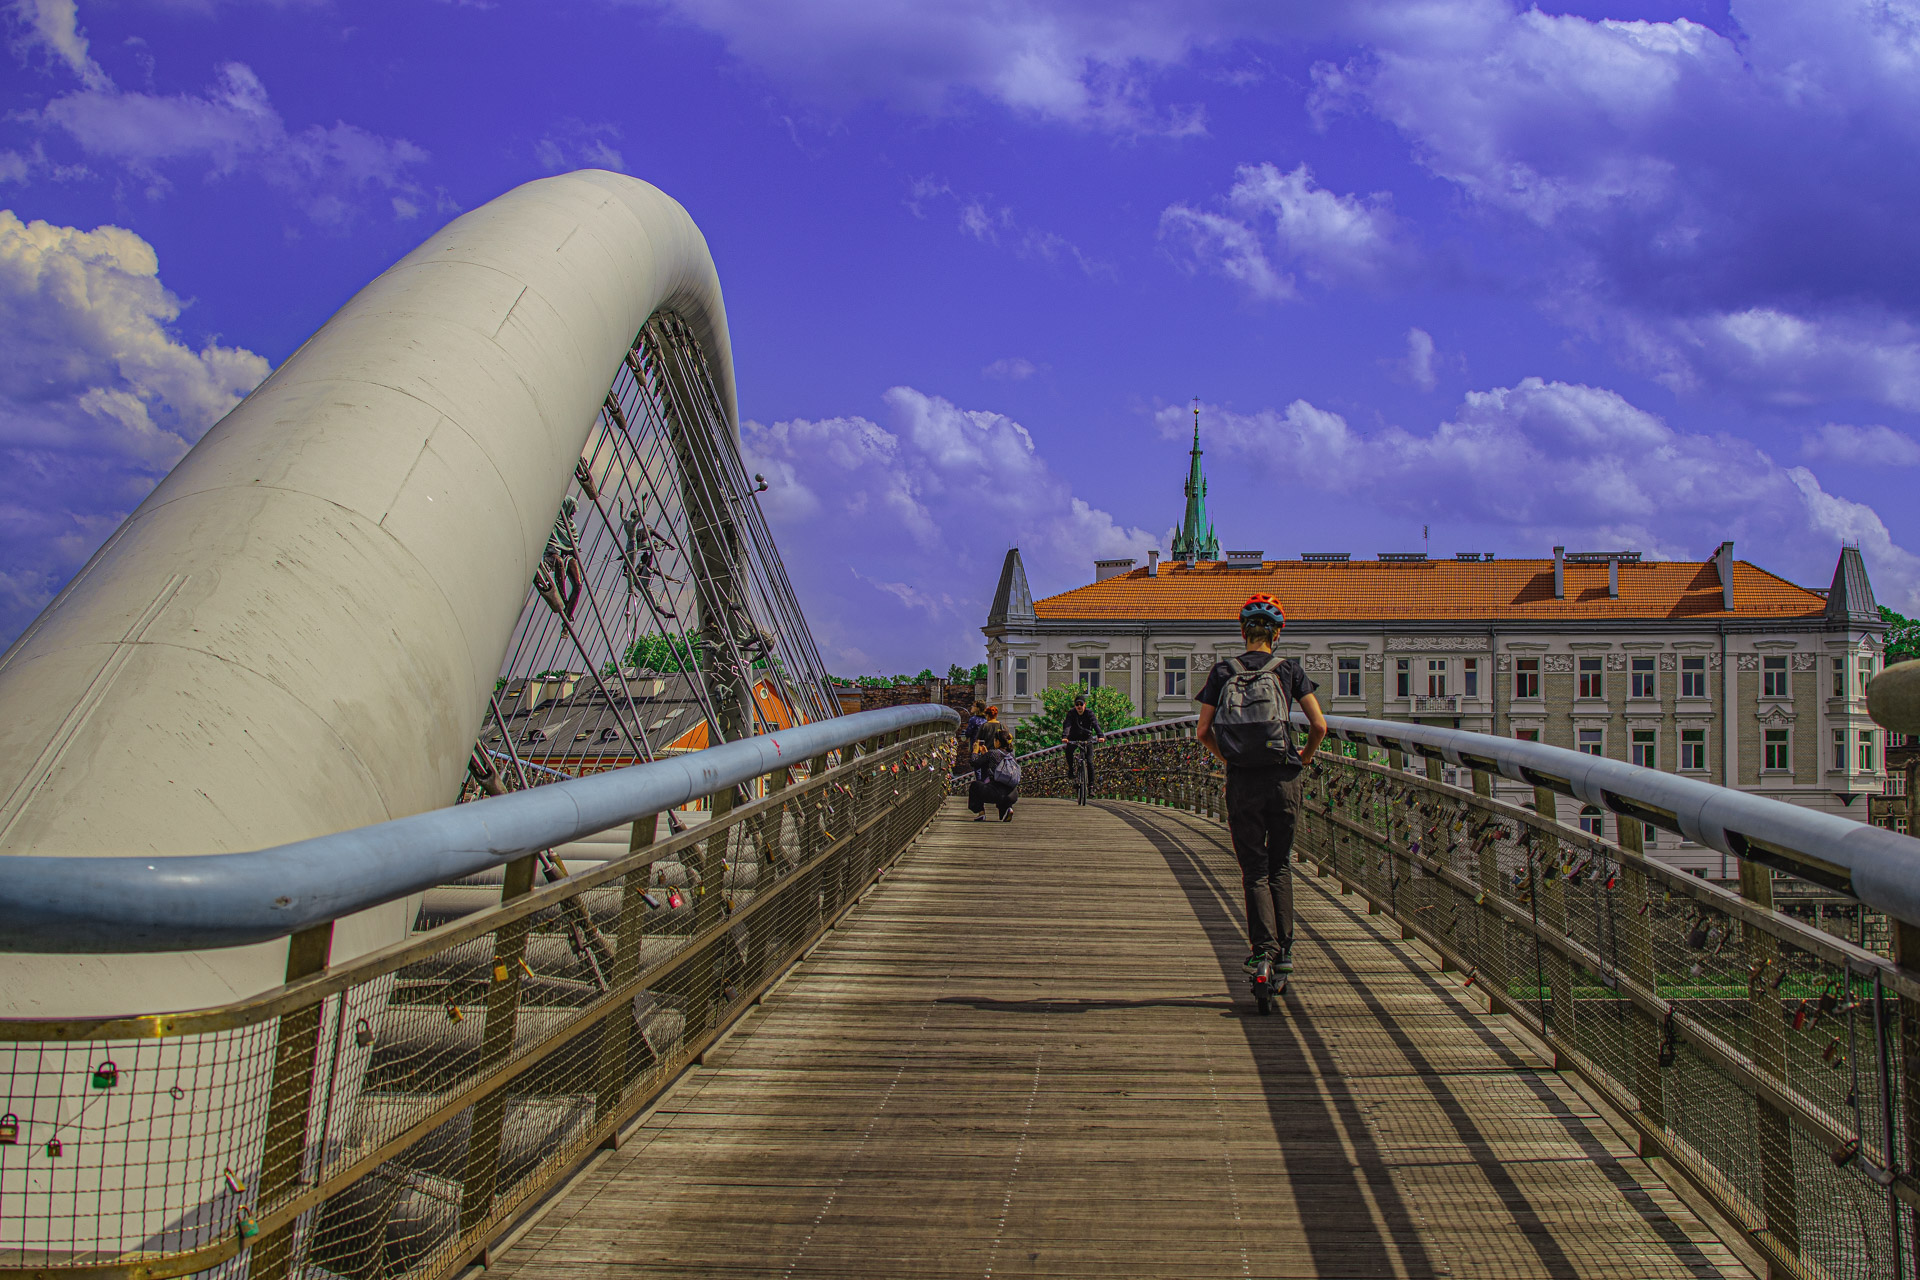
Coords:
1253,718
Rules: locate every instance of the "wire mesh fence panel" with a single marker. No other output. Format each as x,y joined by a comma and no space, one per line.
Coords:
1764,1054
418,1098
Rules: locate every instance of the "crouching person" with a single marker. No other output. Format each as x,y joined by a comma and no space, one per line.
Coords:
996,775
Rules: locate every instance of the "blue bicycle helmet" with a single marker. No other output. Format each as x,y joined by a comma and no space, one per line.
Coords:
1263,608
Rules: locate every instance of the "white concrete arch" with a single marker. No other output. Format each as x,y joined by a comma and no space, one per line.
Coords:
297,631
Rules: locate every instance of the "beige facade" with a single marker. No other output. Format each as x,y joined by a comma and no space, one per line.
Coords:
1770,704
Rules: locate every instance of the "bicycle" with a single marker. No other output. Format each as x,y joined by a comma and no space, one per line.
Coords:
1083,771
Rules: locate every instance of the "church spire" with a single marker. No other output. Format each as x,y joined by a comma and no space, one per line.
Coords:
1196,540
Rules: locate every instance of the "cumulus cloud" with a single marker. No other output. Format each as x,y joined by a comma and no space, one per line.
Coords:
574,144
231,128
1078,62
99,397
1872,446
1011,369
52,27
1555,462
1331,239
927,506
1728,204
1418,365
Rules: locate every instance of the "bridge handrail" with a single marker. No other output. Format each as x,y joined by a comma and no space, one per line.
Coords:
1873,864
198,901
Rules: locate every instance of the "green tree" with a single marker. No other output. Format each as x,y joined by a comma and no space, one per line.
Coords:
1903,637
656,651
1112,708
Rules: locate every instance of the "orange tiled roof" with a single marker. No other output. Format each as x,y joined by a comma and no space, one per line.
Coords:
1376,590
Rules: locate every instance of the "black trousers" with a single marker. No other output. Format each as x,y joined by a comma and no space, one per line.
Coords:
1080,744
981,793
1261,813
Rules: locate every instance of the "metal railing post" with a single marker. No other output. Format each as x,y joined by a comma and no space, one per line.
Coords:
628,950
1492,925
1778,1197
296,1058
1550,902
496,1042
1636,946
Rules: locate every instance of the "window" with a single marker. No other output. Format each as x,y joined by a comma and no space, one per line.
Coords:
1526,677
1645,742
1866,749
1436,677
1773,678
1592,821
1840,750
1470,677
1090,672
1403,677
1592,678
1174,676
1645,682
999,677
1775,755
1693,677
1693,750
1349,686
1527,735
1020,676
1649,836
1839,679
1592,740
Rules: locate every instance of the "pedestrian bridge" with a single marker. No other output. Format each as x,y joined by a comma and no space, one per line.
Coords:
1030,1051
430,846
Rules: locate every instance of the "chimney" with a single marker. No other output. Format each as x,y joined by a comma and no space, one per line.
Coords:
1613,579
1153,564
1104,569
1559,573
1723,565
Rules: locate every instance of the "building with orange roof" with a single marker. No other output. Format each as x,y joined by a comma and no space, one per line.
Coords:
1714,668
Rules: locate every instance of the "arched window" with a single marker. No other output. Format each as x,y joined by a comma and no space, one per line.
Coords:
1591,821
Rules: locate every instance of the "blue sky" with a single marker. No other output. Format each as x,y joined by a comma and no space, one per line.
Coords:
1617,275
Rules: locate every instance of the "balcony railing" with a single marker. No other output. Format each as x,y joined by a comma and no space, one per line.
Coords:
1437,704
1765,1058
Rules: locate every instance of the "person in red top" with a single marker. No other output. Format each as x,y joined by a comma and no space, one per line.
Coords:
1263,771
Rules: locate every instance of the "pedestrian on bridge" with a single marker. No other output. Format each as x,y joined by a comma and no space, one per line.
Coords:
1245,720
969,731
996,773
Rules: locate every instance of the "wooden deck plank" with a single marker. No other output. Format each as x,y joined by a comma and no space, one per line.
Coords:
1031,1054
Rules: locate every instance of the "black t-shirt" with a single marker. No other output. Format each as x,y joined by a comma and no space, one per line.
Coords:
1293,681
1080,725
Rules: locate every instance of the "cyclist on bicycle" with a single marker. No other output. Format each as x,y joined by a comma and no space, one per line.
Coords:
1080,731
1244,720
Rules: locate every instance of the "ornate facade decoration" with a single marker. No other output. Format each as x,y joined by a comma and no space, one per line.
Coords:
1747,661
1119,662
1059,662
1317,662
1439,644
1805,662
1375,662
1560,662
1669,662
1616,662
1150,663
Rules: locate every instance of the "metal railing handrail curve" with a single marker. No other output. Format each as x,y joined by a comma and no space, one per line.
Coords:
84,905
1873,864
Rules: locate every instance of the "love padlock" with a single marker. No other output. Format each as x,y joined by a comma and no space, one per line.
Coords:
363,1033
9,1130
54,1148
674,900
233,1182
245,1223
454,1014
106,1075
499,973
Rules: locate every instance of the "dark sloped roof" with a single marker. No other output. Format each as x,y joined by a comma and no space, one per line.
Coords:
1012,601
1850,598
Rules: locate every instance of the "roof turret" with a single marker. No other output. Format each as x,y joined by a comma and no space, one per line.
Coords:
1196,539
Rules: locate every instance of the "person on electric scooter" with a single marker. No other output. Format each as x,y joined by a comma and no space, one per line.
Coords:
1080,730
1245,710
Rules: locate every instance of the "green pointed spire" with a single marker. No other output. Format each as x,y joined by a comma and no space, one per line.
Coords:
1196,540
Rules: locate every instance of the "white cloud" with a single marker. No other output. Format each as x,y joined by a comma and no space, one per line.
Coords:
574,144
1546,462
54,27
1331,239
1418,365
1871,446
995,224
933,499
231,128
99,397
1085,63
1011,369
